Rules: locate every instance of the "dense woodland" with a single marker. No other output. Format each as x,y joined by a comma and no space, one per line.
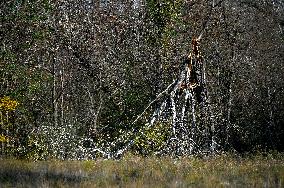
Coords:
83,79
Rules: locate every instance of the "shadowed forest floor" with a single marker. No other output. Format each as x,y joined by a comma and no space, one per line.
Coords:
132,171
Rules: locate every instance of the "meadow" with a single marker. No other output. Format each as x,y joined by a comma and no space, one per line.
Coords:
132,171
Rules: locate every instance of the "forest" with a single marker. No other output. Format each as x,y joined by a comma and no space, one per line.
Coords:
87,79
141,93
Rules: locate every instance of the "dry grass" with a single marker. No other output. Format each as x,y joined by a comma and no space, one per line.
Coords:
132,171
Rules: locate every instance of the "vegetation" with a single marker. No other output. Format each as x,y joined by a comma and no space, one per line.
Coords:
174,83
90,79
132,171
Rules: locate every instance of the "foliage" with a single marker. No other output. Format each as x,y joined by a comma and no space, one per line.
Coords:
152,138
23,74
8,104
4,138
74,75
163,14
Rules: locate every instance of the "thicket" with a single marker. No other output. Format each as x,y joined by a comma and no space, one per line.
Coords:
76,76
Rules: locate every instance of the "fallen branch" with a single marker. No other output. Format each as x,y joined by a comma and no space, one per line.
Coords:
167,91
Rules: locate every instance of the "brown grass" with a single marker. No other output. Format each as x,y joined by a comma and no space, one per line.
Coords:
133,171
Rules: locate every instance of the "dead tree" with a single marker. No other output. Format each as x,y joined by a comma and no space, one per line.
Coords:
182,102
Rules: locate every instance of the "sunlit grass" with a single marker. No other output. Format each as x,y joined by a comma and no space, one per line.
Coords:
133,171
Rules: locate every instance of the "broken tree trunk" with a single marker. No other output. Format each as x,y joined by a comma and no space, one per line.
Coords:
183,103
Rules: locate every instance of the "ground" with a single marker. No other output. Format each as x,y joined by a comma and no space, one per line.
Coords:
132,171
